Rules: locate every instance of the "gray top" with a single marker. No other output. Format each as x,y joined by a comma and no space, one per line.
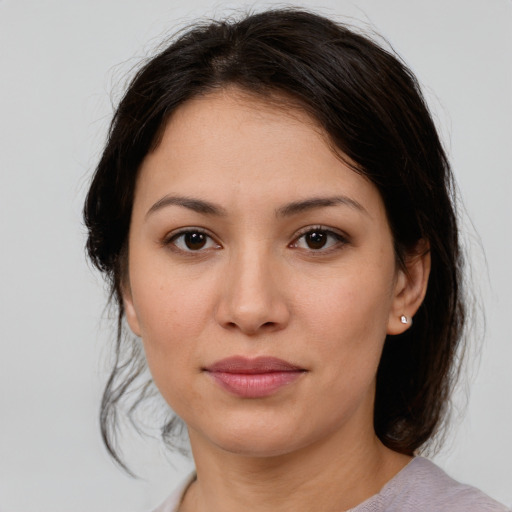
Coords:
420,486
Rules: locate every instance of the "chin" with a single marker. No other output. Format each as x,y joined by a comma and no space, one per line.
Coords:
260,439
258,446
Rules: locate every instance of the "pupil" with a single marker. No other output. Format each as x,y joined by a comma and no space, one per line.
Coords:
195,241
316,240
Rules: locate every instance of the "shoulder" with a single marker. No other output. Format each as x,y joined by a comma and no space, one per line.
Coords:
420,487
172,503
423,486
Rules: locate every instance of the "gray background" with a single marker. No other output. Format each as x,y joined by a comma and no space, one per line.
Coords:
59,63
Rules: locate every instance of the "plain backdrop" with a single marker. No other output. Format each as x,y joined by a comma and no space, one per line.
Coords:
62,64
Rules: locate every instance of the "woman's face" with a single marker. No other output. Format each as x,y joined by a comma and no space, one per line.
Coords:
262,278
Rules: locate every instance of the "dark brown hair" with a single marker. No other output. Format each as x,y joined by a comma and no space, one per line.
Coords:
370,105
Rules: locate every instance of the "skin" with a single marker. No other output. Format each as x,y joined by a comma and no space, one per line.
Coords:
259,288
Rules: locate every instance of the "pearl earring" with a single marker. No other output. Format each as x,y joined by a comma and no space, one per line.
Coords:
404,320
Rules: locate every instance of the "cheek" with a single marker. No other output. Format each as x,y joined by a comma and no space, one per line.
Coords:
347,319
173,310
356,301
169,325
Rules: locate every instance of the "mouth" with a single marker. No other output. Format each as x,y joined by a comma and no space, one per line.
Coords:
253,378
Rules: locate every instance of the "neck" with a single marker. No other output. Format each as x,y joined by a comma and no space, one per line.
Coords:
332,475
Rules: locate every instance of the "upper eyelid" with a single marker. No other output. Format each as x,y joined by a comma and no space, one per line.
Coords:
298,234
173,235
183,231
341,240
319,227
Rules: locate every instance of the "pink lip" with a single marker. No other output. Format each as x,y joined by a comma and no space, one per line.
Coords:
253,378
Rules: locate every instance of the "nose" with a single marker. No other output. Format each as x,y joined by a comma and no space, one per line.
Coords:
252,296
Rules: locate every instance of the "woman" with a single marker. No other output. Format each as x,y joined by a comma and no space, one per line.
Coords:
275,214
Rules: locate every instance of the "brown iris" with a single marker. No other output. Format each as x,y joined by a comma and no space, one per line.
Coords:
195,240
316,239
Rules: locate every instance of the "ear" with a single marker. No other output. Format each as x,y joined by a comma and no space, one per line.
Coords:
129,309
410,288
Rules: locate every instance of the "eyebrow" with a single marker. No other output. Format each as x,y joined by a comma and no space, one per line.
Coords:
288,210
318,202
196,205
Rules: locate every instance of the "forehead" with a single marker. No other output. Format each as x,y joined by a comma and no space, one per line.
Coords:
233,144
208,121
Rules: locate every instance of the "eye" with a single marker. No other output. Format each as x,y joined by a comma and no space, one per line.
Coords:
192,240
318,239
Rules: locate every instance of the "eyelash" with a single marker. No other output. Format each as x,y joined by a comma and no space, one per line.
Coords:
174,237
339,240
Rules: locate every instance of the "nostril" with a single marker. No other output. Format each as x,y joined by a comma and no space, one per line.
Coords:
252,329
251,314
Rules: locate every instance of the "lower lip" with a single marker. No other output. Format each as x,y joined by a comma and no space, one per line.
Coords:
258,385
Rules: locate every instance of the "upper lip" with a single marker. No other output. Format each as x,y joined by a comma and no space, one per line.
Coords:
257,365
